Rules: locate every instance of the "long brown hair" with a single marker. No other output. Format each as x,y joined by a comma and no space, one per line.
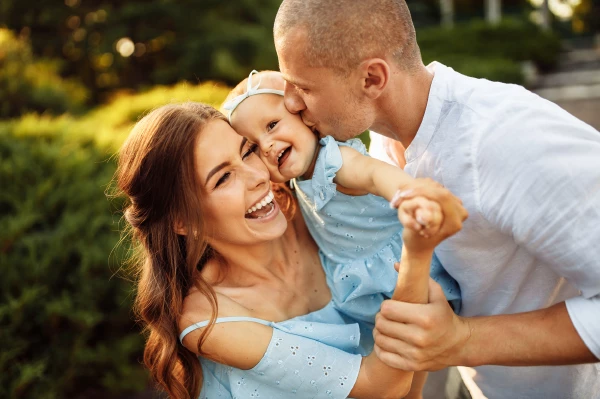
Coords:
156,172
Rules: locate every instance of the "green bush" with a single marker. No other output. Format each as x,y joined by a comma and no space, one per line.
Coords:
66,326
67,330
493,52
28,85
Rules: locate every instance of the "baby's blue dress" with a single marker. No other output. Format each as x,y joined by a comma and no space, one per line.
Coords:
360,237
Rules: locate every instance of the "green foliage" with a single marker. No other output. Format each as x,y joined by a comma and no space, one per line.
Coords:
27,84
175,40
66,326
494,52
111,123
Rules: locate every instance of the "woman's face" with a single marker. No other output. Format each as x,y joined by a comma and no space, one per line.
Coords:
239,208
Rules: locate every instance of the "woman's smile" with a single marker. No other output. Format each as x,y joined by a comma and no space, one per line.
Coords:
264,208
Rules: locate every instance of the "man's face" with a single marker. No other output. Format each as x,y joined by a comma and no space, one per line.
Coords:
327,101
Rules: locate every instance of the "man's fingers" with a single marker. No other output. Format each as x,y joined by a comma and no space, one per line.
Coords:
405,337
403,312
391,359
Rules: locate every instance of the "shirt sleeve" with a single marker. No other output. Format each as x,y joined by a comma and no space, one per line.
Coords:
538,175
298,367
585,315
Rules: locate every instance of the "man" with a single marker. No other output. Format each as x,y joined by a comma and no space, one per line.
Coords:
528,258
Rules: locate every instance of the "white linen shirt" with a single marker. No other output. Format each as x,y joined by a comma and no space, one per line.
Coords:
528,172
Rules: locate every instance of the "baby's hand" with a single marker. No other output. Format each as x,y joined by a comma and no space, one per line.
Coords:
453,212
421,215
422,219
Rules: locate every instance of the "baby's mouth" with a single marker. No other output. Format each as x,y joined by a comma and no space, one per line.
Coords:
283,155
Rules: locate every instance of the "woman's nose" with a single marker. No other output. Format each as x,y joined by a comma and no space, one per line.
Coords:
256,174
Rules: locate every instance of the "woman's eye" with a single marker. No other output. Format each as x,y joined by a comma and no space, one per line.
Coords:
223,179
251,150
271,126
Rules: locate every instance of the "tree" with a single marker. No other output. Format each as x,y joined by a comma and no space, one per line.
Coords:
447,13
493,11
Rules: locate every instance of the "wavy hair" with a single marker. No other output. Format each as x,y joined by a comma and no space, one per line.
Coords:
156,171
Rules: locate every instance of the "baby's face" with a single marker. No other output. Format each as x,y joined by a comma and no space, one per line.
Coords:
286,145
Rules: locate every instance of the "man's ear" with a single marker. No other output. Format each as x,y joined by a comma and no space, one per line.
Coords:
375,76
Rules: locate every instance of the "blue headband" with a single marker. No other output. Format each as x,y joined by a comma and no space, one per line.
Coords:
232,104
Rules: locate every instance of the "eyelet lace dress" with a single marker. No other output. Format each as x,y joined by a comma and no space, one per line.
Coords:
317,355
360,238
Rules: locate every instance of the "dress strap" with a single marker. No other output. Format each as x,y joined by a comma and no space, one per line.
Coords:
204,323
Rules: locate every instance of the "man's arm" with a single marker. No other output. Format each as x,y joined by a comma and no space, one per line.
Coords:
409,337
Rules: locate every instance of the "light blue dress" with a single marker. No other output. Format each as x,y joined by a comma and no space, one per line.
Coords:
317,355
360,237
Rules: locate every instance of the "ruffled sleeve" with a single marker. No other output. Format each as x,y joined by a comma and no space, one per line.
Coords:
329,161
295,366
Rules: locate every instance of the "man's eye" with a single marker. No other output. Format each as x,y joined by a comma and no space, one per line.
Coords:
271,126
251,150
223,179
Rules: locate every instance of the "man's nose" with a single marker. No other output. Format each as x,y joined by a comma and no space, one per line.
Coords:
293,102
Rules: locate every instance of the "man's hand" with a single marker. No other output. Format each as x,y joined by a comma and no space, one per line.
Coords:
419,337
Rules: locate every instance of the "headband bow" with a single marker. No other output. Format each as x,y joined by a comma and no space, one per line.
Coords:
232,104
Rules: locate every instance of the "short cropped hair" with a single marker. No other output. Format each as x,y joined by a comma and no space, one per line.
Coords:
342,33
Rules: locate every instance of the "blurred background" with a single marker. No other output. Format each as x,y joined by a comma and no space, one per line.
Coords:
76,74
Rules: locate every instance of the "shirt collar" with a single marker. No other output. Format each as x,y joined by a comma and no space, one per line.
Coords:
435,101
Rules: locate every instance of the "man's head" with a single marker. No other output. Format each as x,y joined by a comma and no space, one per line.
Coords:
339,57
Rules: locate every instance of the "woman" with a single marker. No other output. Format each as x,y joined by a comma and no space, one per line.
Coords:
192,182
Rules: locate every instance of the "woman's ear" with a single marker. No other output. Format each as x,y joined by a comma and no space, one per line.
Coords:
375,75
180,228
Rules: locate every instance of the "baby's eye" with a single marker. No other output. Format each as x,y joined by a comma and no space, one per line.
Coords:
271,126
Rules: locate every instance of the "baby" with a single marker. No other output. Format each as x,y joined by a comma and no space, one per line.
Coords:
344,196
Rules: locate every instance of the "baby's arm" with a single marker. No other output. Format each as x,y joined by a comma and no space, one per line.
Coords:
366,174
361,172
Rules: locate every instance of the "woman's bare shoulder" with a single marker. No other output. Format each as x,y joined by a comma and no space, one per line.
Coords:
240,345
199,306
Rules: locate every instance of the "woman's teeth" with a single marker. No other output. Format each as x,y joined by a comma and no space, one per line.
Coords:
265,201
280,154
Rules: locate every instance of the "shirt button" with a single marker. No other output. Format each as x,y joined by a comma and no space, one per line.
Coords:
322,196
